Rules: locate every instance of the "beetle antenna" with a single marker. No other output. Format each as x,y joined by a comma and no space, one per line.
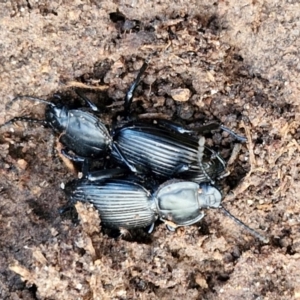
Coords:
250,230
9,104
24,119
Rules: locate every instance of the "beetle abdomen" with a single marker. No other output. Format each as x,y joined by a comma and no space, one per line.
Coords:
120,203
162,152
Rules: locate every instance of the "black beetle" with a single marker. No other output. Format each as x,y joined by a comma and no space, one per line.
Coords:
79,131
125,203
165,148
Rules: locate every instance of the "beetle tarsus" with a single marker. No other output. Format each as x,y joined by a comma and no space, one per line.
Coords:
215,155
170,228
88,102
72,157
151,228
236,136
123,159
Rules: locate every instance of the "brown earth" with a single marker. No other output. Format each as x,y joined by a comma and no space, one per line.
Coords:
240,63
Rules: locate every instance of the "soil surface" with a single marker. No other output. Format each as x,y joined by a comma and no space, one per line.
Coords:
236,63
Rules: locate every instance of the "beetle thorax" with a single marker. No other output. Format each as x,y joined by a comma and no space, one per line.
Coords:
57,118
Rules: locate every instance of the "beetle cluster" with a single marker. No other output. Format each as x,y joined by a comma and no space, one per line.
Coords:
183,167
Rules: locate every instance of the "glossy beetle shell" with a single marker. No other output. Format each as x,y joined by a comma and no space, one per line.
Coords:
121,203
161,151
85,135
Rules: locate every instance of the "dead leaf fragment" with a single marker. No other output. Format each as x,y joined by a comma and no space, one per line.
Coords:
22,271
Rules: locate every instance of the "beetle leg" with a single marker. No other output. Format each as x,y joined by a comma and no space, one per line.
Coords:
131,90
72,157
172,126
200,130
92,106
151,228
237,136
105,174
200,157
207,128
215,126
171,228
214,155
224,174
178,128
123,159
179,169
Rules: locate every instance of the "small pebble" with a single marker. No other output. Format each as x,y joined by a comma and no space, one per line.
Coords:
22,163
181,94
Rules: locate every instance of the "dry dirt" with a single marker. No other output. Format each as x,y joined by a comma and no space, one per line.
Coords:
240,62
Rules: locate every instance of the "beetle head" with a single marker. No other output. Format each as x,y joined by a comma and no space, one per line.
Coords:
209,196
57,117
